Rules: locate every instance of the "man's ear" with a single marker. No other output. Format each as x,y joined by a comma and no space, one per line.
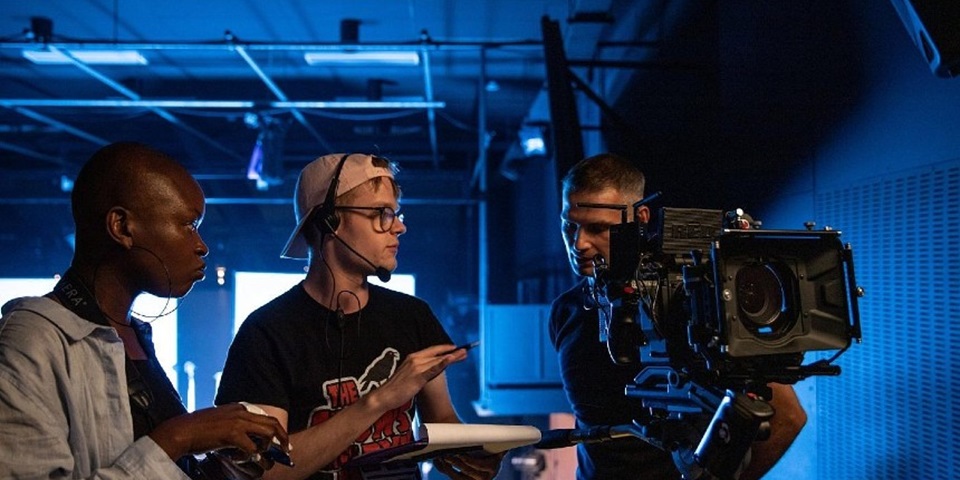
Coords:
643,214
118,227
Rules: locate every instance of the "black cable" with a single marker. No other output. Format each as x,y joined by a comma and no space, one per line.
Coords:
152,318
359,307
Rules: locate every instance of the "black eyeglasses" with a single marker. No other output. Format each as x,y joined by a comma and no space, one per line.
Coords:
387,214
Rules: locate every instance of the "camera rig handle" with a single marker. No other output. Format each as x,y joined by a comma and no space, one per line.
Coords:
722,449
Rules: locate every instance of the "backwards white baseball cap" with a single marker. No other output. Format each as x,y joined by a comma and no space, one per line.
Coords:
312,186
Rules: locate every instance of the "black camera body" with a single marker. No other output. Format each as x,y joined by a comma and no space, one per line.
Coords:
711,309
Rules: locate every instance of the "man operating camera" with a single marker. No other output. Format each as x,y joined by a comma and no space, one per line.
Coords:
593,383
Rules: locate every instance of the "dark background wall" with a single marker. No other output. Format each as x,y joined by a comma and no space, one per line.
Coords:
824,111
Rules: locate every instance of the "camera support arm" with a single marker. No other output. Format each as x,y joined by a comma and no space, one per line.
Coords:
714,452
725,445
723,449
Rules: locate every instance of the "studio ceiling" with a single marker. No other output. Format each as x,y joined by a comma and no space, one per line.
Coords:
707,94
217,72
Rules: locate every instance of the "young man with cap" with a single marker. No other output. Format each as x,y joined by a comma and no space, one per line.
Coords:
343,364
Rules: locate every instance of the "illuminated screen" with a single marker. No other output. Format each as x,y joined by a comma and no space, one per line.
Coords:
164,328
253,289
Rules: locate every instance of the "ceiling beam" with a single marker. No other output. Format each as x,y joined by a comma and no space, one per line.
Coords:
431,114
134,96
273,87
416,46
26,112
33,154
226,104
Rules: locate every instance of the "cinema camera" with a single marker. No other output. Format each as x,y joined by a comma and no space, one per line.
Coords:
711,308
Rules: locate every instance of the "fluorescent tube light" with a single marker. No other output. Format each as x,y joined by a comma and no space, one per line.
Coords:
391,57
92,57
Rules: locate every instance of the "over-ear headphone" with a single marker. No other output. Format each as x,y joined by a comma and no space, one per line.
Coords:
326,218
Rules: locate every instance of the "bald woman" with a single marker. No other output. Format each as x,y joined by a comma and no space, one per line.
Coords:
81,392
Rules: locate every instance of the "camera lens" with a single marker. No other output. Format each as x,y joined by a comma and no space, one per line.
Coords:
759,294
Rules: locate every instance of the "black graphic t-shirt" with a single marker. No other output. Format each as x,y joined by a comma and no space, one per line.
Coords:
297,355
595,389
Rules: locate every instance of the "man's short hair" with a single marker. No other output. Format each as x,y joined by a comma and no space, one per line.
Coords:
606,170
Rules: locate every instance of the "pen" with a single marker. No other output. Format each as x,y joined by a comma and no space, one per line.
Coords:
465,346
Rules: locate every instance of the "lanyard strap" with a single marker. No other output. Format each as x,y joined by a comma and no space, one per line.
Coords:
76,297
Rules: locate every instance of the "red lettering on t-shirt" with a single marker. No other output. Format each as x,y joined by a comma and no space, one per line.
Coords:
342,393
392,429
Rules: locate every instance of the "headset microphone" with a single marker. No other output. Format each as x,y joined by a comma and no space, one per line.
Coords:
382,273
326,215
326,219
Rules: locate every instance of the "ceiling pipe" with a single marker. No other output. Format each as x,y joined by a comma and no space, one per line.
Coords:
272,86
415,46
56,124
226,104
480,174
483,139
32,154
361,104
428,94
133,95
584,26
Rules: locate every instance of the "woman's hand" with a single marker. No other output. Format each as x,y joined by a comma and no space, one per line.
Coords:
218,427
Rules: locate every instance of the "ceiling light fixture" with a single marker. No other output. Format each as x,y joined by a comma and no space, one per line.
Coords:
266,161
91,57
390,57
532,141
